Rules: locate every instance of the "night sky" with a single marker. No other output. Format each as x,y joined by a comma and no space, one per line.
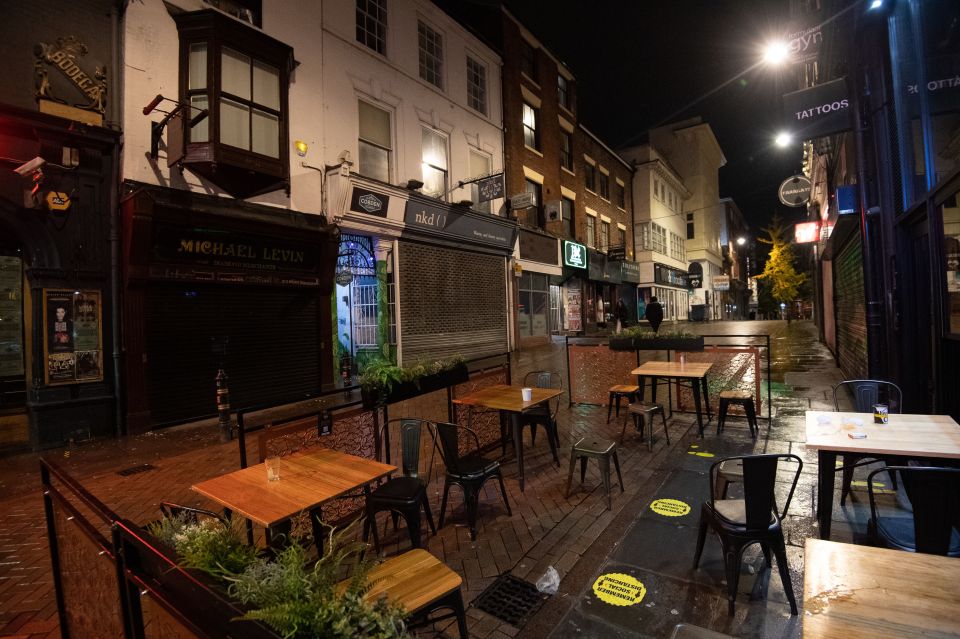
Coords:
639,63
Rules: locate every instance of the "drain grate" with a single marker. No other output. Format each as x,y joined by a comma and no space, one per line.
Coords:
511,599
134,470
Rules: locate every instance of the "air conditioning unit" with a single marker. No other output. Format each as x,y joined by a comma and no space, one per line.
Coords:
552,210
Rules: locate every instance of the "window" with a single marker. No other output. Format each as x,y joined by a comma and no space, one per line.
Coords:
604,235
621,196
566,150
658,238
590,177
528,60
375,142
563,92
677,249
535,215
604,186
479,165
476,86
531,133
434,161
656,188
372,24
534,308
242,145
622,237
644,244
690,234
591,230
566,211
431,55
950,214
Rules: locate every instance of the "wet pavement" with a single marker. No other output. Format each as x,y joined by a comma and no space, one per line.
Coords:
576,535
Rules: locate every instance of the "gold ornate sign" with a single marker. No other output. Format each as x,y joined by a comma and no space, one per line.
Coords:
64,55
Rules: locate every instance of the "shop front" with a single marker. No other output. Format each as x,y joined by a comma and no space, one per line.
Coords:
216,284
601,291
668,285
538,291
628,292
571,289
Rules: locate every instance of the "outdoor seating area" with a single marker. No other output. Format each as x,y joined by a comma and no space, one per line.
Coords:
307,487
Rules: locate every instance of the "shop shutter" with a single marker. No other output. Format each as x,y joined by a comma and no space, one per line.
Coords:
451,303
851,312
273,353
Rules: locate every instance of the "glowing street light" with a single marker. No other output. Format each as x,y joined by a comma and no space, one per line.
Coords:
741,241
776,52
783,139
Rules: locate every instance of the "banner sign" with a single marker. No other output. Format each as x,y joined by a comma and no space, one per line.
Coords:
475,227
630,272
804,42
818,111
943,86
73,334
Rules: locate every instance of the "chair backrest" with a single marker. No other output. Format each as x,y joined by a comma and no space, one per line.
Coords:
545,379
410,437
867,392
189,513
934,494
448,436
759,484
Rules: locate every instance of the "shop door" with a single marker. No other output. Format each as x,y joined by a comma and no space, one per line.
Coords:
918,383
851,310
12,375
556,309
268,340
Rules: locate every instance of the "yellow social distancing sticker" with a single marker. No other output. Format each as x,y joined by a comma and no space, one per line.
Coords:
618,589
670,507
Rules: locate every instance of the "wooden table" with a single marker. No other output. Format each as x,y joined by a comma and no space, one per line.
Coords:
693,372
904,437
308,479
852,592
509,401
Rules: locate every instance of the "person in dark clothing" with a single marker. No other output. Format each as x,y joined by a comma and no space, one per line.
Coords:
654,314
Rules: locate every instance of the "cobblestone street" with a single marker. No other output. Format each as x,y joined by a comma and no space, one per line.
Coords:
575,535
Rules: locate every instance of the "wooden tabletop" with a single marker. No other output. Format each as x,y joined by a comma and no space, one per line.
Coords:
412,580
672,369
852,592
307,479
917,435
509,398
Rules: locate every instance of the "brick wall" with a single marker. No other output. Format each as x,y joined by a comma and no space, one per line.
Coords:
451,302
585,144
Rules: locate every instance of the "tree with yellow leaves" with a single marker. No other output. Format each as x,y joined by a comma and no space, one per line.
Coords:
779,272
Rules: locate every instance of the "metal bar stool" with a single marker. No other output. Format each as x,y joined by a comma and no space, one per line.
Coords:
642,414
621,390
602,450
737,398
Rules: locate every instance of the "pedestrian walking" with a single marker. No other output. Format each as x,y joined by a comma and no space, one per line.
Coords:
654,314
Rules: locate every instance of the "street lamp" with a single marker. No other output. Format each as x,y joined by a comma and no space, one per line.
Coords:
783,139
776,52
741,241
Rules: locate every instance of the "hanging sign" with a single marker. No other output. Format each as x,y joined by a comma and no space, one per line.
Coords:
818,111
574,255
490,188
806,232
721,282
794,191
343,278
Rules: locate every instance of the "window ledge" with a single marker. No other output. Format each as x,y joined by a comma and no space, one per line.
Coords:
563,168
533,150
523,74
566,110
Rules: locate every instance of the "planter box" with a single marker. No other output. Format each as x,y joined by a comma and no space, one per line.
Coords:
658,344
406,390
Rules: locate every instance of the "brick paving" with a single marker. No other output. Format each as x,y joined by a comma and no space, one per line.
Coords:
546,529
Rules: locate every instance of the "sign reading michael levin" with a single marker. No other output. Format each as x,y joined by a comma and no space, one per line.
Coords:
818,111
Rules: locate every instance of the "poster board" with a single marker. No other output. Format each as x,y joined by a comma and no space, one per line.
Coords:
72,336
11,317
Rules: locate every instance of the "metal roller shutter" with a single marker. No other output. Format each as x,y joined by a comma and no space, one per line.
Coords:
451,303
851,312
273,351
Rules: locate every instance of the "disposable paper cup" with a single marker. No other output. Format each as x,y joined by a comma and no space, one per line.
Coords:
527,394
273,468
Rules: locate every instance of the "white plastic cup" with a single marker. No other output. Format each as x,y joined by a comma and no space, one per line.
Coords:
273,468
527,394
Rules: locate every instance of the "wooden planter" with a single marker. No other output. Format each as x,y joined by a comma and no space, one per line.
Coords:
406,390
656,344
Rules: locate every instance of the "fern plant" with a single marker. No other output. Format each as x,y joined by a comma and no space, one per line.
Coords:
206,544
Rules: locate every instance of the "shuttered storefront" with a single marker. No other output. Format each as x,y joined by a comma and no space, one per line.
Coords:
452,302
273,346
851,326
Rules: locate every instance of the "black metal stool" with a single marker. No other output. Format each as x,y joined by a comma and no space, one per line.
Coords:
602,450
737,398
642,414
618,391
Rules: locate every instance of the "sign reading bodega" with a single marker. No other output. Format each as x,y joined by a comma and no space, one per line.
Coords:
230,250
818,111
63,55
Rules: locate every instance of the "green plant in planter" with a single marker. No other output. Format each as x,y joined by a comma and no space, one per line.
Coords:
381,376
206,545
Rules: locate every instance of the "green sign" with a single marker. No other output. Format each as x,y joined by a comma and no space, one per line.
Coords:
574,254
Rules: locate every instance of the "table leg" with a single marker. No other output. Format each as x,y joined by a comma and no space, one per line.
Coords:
653,389
696,400
641,382
827,470
518,444
706,398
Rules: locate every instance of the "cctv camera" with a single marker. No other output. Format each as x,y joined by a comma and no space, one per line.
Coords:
31,166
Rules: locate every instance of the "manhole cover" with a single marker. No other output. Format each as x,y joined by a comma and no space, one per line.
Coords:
133,470
511,599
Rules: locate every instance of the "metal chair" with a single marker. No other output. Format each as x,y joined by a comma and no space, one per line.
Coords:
755,519
545,414
402,496
934,528
866,393
190,513
642,414
470,472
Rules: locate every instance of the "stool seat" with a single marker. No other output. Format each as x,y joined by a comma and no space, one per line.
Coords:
736,394
640,408
737,398
602,450
624,388
617,391
643,414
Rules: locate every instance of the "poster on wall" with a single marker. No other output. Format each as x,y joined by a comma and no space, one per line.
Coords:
73,336
11,317
573,309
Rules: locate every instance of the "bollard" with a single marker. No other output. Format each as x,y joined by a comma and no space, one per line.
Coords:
223,407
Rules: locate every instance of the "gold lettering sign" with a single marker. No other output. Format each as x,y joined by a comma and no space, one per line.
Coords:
63,55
